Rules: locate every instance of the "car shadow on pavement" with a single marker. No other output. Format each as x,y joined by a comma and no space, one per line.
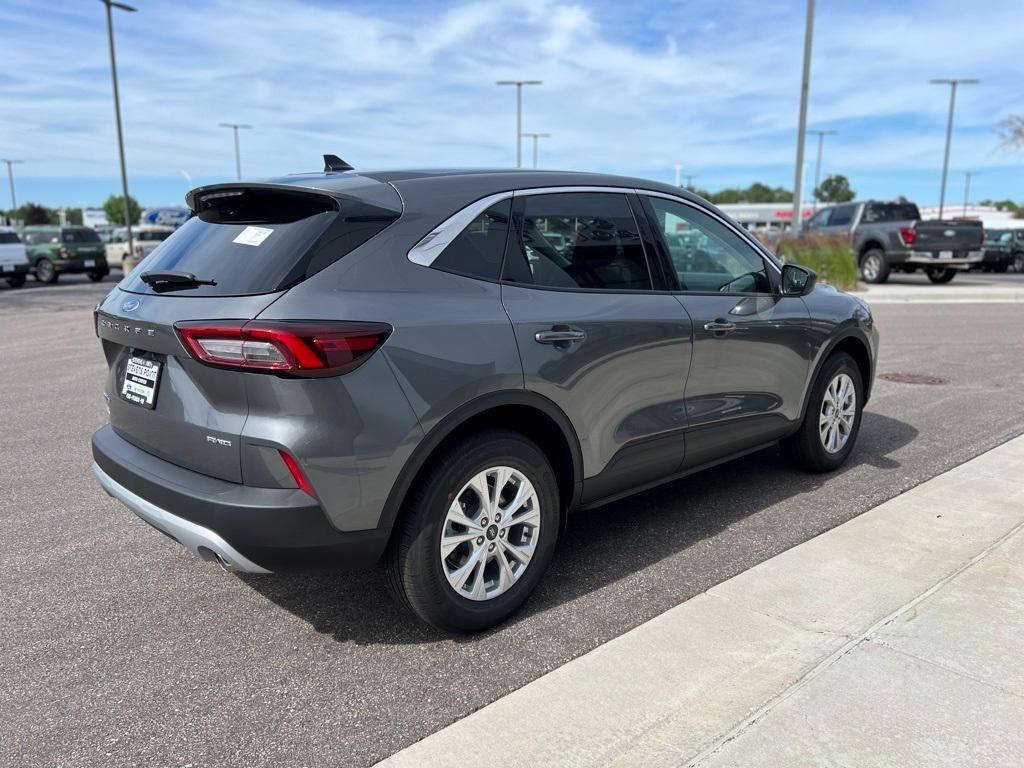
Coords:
603,545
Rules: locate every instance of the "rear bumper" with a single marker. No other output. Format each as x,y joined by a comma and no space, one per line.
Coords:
13,270
74,266
960,259
255,530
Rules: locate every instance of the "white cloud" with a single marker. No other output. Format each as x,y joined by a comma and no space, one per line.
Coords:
627,89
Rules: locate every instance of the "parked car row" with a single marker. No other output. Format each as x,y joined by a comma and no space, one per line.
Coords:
51,251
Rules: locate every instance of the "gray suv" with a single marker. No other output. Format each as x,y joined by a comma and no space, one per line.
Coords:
434,368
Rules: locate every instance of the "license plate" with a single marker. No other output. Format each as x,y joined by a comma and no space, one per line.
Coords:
89,263
8,267
945,254
141,377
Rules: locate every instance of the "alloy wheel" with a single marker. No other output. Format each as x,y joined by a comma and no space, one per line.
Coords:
871,268
837,414
490,533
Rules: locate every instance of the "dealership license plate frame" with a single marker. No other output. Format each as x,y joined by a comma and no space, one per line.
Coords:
141,381
945,254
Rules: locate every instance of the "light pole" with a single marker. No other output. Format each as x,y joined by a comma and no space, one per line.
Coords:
238,157
689,180
519,113
805,87
967,189
949,129
679,170
817,164
110,5
536,136
10,180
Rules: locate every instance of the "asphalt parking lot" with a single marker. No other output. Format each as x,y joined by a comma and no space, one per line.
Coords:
120,649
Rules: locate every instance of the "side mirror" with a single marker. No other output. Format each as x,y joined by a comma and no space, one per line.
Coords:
797,281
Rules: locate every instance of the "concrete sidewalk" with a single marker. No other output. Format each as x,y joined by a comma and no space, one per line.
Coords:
951,293
895,639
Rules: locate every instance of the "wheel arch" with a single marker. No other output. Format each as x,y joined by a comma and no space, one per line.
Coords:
856,346
870,244
527,413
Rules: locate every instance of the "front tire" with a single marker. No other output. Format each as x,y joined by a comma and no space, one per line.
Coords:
832,420
16,282
478,532
873,266
46,272
938,275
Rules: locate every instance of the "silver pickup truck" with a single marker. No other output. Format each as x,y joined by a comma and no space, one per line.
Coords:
889,236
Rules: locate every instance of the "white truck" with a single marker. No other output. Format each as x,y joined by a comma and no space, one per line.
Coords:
14,264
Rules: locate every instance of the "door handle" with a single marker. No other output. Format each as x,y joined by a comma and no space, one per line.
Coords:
559,336
719,326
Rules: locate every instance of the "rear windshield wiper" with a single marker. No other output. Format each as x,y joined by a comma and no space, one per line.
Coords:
173,278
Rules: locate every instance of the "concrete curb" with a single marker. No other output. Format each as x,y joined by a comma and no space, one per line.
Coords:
683,688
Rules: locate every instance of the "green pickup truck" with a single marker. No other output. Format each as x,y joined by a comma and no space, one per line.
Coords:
53,251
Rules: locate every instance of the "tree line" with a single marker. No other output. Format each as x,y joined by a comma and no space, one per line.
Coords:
33,214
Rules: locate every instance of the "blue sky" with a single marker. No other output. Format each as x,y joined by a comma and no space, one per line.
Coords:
632,88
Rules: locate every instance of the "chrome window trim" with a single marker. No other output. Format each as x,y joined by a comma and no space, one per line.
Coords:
441,236
426,251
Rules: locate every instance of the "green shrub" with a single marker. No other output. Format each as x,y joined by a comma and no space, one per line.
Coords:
828,255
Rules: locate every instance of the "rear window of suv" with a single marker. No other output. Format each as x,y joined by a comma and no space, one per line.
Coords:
891,212
253,240
8,238
79,235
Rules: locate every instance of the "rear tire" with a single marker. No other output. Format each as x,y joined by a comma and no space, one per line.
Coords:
16,282
873,266
45,271
1000,268
425,582
810,449
1018,262
97,276
938,275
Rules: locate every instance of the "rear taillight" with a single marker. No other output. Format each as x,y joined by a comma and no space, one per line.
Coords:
302,348
138,251
982,234
296,471
908,235
63,253
96,320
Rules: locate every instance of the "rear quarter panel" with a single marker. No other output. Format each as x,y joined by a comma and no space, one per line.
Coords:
452,342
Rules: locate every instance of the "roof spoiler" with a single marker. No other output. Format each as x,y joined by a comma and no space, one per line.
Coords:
335,163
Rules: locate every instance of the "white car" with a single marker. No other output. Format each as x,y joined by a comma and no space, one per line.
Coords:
145,237
13,258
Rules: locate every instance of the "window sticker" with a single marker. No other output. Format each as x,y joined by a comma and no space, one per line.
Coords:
253,235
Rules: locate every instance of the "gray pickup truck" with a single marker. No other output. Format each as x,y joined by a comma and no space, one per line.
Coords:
889,236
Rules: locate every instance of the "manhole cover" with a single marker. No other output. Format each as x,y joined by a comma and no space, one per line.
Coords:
913,378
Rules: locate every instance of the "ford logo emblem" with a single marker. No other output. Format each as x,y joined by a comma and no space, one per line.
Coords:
130,306
950,233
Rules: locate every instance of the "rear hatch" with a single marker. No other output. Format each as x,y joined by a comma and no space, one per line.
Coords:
245,246
12,250
83,243
957,237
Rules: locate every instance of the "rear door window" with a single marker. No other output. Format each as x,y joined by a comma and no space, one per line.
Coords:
842,216
253,241
587,240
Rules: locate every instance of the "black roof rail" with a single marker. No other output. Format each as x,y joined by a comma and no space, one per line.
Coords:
335,163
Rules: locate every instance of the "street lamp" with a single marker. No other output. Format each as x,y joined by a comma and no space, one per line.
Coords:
949,129
519,113
805,87
238,157
817,164
967,189
536,136
110,5
689,180
10,179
